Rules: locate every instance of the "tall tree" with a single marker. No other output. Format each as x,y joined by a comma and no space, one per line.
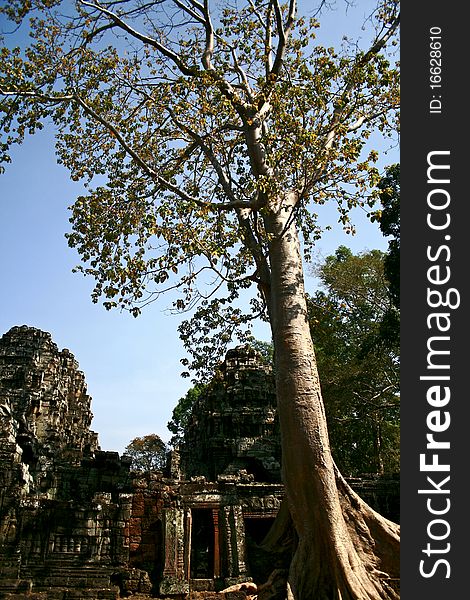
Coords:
216,129
388,192
148,453
389,222
359,365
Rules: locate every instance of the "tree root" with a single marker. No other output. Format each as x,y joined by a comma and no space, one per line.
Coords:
363,567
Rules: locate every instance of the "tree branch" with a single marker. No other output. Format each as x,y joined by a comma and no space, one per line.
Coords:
190,12
268,40
365,119
341,104
184,69
243,78
43,97
283,32
262,265
234,204
221,175
209,49
377,45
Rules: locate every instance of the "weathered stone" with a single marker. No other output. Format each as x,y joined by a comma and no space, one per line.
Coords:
247,586
234,432
74,523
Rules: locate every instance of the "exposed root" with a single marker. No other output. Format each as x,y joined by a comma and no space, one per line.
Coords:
358,561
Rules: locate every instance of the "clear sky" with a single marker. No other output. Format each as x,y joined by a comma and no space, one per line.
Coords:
132,366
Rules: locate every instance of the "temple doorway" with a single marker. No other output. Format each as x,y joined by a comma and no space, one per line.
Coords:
202,544
259,562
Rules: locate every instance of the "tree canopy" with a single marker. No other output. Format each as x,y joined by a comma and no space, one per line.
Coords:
388,192
148,453
187,122
389,222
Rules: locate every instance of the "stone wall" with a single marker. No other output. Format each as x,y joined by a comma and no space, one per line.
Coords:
74,522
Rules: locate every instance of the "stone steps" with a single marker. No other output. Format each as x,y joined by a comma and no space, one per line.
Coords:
59,573
14,586
9,567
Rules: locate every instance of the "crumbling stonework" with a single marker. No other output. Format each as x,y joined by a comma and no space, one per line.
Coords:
44,406
61,512
234,425
76,524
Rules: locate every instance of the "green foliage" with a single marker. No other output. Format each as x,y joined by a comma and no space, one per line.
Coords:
265,351
388,192
389,223
182,413
359,366
148,453
187,125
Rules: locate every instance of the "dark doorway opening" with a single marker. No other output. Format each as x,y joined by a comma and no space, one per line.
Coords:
149,555
260,563
202,544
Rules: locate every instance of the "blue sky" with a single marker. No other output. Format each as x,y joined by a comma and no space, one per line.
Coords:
131,365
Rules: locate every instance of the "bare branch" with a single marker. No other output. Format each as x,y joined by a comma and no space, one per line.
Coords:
366,119
283,32
243,78
49,99
191,71
268,40
190,12
267,26
209,49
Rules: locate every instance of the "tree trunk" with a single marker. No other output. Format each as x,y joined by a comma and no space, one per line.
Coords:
345,550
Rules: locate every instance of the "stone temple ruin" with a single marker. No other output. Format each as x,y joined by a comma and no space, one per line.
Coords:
76,523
